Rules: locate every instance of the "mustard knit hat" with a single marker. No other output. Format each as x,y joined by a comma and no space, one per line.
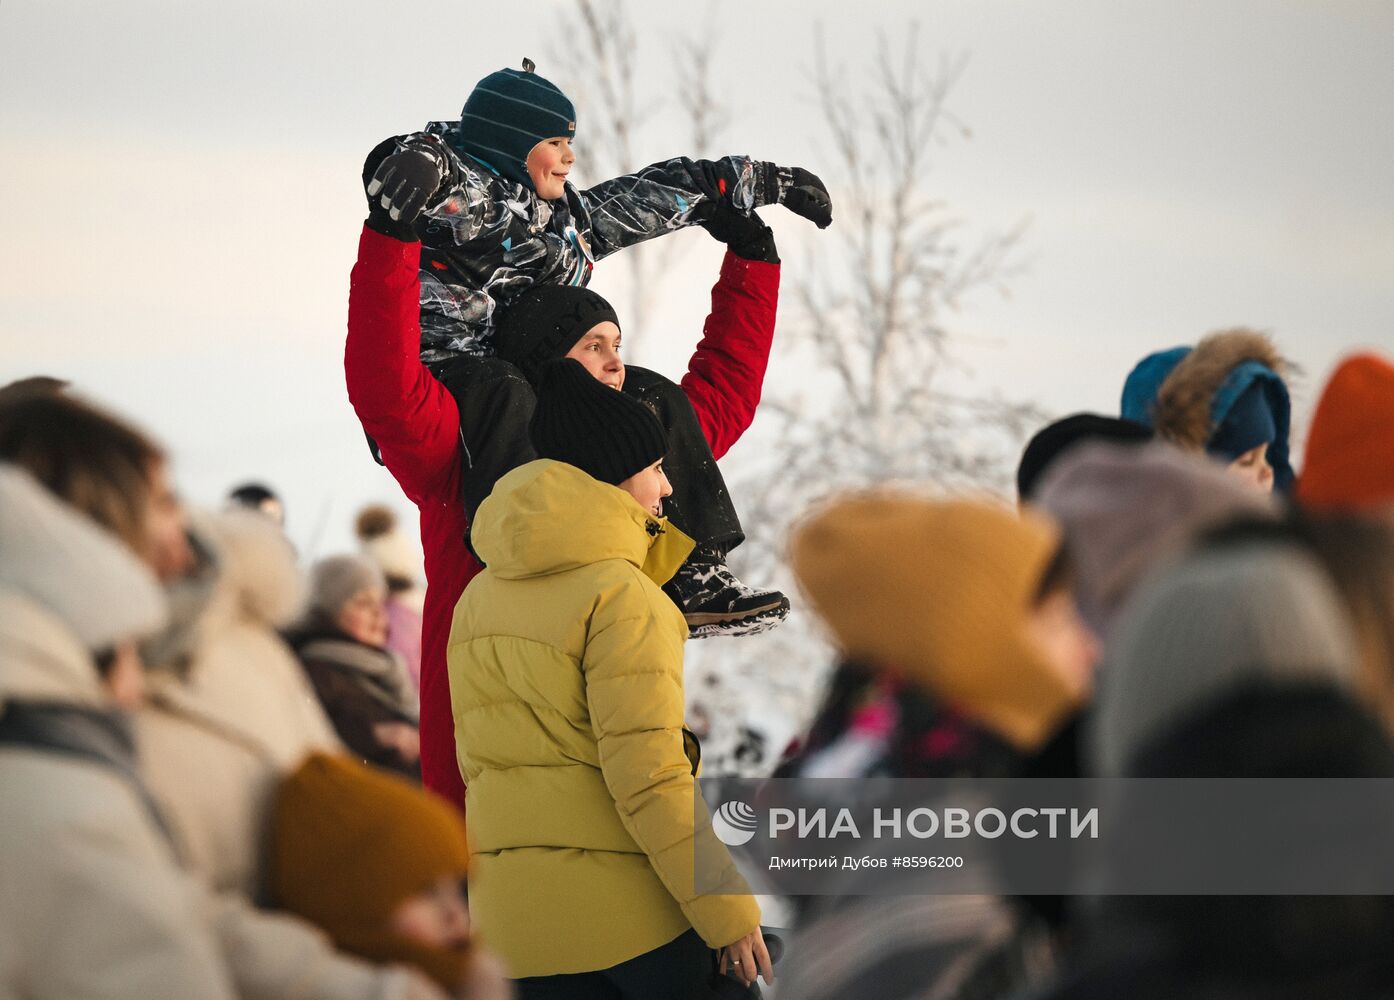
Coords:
938,591
350,843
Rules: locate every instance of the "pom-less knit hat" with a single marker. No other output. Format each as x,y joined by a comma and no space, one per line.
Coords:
349,844
583,422
938,591
335,581
1206,626
544,323
1126,509
1054,440
510,112
1350,449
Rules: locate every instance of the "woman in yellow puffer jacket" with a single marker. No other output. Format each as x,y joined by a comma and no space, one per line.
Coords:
566,679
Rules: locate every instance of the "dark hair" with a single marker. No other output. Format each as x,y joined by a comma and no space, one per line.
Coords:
374,521
87,457
1059,575
1051,442
251,495
33,385
104,660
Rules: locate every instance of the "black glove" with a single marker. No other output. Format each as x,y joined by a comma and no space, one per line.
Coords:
803,194
406,181
745,235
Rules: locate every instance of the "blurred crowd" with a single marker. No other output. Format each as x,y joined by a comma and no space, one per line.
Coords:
210,753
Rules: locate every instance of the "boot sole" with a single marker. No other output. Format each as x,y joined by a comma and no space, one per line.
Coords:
769,621
700,618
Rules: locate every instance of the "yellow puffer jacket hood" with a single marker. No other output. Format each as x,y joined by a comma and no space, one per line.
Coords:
566,682
549,517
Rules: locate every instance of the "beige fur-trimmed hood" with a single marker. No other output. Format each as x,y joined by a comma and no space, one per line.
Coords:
258,577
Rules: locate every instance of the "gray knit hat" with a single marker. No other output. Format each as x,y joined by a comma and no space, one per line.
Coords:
335,580
1213,621
1126,508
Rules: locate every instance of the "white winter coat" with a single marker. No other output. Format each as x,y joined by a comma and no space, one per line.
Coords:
222,728
91,901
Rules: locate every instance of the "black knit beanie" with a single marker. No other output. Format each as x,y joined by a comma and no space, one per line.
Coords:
1053,440
583,422
545,322
510,112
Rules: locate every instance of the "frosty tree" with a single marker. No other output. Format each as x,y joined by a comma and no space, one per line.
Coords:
884,398
601,37
868,308
873,391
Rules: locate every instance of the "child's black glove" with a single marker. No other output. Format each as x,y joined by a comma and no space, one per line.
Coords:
406,180
745,235
801,193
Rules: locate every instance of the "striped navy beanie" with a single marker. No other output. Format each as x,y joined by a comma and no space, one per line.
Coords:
510,112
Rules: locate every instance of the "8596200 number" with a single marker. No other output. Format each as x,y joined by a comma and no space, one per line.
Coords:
936,861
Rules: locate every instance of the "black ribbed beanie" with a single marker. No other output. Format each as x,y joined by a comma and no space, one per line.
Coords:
583,422
545,322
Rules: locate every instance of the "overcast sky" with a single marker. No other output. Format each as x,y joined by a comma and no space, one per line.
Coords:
181,193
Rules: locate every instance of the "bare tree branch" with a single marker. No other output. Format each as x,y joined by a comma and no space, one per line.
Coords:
892,400
613,115
867,316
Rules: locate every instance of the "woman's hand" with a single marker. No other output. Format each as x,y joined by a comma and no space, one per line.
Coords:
400,736
747,957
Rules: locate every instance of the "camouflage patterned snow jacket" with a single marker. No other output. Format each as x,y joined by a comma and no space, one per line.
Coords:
485,238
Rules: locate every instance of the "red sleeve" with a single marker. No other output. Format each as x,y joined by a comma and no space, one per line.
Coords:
408,413
416,424
727,371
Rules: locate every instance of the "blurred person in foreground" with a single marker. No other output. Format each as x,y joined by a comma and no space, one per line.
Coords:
963,653
228,711
1127,509
1238,661
92,902
1348,466
406,849
1357,553
1061,437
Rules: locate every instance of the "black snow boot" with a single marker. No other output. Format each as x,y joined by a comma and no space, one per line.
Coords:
714,602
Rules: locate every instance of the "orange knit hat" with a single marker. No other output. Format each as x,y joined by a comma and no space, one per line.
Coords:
938,590
350,843
1350,450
